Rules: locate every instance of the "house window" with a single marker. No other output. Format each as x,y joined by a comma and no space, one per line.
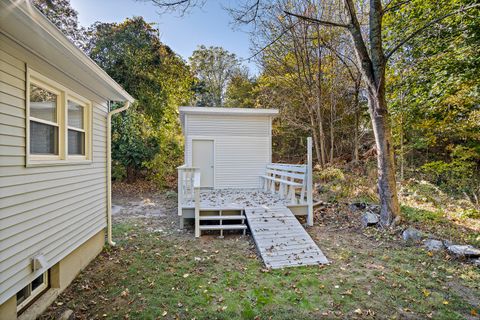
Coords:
59,123
43,121
76,128
31,291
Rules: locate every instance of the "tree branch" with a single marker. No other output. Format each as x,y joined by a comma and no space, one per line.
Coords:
322,22
277,38
427,25
393,7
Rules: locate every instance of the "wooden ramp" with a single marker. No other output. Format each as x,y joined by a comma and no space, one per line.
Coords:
281,239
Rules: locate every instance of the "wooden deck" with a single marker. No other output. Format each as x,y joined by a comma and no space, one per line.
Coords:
280,238
235,199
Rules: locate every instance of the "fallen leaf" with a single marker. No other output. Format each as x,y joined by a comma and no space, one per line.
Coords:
186,275
164,313
347,293
358,311
124,293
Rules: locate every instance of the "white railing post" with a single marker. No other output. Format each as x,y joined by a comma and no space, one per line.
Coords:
196,188
309,183
180,190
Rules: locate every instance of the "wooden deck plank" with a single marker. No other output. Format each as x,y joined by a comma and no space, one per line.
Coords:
280,238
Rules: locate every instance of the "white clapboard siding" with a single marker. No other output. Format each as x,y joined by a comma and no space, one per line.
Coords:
48,209
242,146
222,125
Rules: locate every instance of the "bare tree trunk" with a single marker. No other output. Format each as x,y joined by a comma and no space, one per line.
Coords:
356,106
387,188
318,99
332,119
373,63
402,134
318,147
321,133
401,149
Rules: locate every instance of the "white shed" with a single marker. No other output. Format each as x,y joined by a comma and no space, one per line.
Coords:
230,146
229,183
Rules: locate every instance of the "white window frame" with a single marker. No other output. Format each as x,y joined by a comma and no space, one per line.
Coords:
64,94
34,293
86,105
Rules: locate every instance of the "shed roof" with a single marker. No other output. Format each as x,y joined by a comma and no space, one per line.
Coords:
226,112
25,25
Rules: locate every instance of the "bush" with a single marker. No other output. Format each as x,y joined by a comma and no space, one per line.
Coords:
459,176
421,215
133,142
118,171
330,174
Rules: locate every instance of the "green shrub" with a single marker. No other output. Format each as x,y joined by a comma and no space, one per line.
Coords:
118,171
133,141
459,176
330,174
471,213
421,215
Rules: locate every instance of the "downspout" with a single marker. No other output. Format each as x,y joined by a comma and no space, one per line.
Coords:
109,170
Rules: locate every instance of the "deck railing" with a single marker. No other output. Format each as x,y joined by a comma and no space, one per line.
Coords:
290,178
189,192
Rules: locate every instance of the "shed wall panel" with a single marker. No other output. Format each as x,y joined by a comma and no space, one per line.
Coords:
242,146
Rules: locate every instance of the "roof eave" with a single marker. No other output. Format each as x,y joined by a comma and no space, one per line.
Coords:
27,13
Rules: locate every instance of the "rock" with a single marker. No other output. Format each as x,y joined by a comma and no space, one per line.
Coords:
66,315
448,243
433,245
466,251
412,234
357,206
476,262
375,208
369,219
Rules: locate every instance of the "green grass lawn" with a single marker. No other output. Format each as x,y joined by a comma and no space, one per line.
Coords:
172,275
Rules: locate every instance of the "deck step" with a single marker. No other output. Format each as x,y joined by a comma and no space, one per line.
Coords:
222,208
235,217
223,227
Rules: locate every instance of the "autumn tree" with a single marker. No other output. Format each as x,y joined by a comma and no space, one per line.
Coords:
241,91
372,59
433,84
363,22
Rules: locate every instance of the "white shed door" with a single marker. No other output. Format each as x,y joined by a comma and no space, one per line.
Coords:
203,158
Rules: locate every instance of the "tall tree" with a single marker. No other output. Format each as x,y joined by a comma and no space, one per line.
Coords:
433,83
214,67
363,21
241,91
372,60
131,53
61,13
